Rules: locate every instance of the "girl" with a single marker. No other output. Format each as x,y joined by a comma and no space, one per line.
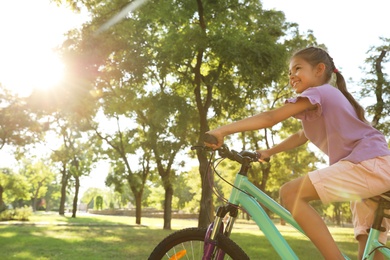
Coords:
359,157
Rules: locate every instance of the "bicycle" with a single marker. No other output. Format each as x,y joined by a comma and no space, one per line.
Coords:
215,243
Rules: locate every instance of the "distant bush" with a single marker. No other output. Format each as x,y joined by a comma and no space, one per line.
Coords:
7,214
22,214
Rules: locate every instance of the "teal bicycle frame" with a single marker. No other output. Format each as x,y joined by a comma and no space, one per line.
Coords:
246,195
251,205
260,216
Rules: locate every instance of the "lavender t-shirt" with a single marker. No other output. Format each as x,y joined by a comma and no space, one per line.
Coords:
334,127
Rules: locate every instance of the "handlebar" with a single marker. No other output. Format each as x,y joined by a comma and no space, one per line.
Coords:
243,157
240,157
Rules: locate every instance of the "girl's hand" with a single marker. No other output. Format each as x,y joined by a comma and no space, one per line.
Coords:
218,136
264,155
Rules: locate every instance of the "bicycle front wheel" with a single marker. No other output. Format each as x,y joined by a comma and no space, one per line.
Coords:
189,243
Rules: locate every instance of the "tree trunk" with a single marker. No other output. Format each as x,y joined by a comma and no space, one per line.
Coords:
336,212
64,182
35,199
76,196
203,104
2,204
138,207
168,207
379,89
34,204
206,213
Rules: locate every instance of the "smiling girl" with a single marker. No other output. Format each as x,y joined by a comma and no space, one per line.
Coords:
359,158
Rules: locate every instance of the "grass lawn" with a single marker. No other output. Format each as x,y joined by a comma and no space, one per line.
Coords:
50,236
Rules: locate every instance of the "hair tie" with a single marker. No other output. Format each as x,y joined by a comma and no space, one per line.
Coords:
335,70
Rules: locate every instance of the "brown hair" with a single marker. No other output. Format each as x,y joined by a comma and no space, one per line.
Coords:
314,56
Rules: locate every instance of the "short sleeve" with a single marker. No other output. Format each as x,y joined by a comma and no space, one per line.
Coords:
315,98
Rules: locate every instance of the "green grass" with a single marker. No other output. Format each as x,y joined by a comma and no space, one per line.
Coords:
50,236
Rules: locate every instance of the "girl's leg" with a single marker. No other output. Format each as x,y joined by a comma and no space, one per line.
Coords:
362,239
295,196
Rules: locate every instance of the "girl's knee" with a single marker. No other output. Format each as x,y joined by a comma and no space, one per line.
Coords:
287,195
298,189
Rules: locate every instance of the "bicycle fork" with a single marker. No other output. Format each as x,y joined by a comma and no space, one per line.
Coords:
217,227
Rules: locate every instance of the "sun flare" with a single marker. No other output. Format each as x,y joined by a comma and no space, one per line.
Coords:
30,30
39,70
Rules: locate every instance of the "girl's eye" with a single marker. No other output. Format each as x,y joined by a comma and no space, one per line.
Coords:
294,71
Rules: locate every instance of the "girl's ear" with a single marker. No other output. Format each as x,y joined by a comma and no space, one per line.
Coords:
320,69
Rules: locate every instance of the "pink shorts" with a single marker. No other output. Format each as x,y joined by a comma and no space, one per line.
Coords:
346,181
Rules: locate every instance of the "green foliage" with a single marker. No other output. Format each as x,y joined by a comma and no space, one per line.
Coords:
17,126
13,187
338,213
186,186
90,194
175,68
99,202
39,176
156,197
194,184
21,214
376,85
6,215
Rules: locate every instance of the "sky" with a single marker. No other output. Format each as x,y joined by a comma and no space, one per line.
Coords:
347,28
31,29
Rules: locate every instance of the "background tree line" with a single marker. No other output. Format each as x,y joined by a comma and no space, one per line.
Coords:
144,90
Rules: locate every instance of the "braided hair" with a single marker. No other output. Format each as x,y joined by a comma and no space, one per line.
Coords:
315,56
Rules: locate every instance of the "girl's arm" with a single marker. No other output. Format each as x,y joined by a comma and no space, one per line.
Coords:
289,143
260,121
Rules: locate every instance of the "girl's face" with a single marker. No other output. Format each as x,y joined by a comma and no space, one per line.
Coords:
303,75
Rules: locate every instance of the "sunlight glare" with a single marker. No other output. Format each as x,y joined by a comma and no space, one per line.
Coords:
39,70
30,30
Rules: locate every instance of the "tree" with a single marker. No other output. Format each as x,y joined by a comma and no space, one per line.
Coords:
376,84
39,176
122,144
12,187
53,196
166,134
84,155
90,194
220,55
73,158
200,49
17,126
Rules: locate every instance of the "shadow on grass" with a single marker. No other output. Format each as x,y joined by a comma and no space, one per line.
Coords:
106,237
82,219
257,245
78,242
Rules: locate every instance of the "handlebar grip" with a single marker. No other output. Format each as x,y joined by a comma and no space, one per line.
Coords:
210,139
263,160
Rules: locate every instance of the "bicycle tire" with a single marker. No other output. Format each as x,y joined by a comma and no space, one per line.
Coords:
185,239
